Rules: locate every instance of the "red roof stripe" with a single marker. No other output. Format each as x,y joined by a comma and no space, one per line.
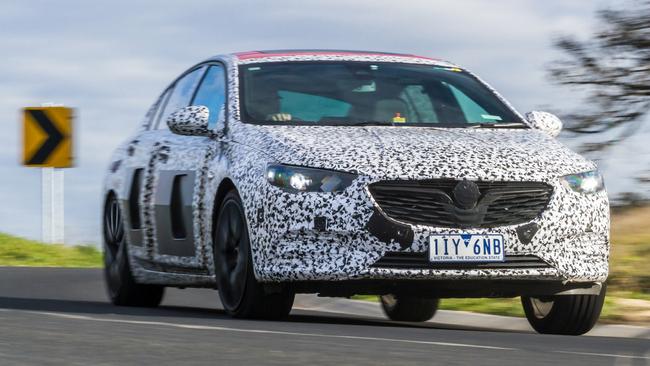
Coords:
256,54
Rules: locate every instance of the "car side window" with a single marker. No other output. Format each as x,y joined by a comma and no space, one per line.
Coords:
181,95
212,94
158,108
151,113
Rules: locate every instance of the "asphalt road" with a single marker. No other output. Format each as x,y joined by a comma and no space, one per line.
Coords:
61,317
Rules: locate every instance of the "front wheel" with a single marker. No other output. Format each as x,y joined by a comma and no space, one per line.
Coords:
240,293
408,309
564,314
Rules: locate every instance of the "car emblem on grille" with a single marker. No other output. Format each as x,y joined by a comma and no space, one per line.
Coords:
466,194
461,203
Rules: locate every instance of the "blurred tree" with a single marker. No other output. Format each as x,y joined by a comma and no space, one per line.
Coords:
613,67
629,199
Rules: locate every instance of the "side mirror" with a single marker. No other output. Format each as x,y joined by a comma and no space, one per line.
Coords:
190,121
545,122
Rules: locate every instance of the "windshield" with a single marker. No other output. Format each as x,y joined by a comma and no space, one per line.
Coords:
355,93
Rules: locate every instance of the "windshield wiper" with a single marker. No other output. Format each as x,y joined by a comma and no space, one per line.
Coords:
499,125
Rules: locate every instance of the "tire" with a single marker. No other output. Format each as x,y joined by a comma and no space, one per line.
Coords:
120,284
565,314
408,309
240,293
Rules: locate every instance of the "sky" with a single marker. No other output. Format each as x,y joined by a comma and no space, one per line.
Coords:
110,60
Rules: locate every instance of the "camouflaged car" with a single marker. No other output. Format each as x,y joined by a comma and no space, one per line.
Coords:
270,173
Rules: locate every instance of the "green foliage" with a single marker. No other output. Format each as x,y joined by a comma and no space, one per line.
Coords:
16,251
508,306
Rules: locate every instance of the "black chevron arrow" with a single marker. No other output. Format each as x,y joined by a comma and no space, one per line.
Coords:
54,137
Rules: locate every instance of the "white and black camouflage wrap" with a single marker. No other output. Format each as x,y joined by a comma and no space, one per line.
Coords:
545,121
573,234
184,121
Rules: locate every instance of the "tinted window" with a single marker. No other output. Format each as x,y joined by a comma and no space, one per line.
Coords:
471,109
181,95
160,105
309,107
212,94
149,117
367,93
418,104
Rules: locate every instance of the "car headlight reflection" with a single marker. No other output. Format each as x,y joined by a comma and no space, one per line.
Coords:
587,182
301,179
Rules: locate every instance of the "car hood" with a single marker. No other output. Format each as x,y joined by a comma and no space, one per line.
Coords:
386,152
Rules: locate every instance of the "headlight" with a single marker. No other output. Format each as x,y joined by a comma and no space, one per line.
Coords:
587,182
299,179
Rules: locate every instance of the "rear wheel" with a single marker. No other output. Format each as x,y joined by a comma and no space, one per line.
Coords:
565,314
121,286
408,309
240,293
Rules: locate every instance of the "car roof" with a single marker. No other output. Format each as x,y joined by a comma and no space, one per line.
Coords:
315,52
261,54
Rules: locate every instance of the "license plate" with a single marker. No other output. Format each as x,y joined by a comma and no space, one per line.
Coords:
466,248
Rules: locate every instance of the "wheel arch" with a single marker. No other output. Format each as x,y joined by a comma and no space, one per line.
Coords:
225,186
107,197
109,193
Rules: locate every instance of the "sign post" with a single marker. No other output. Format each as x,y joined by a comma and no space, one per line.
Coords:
47,143
52,205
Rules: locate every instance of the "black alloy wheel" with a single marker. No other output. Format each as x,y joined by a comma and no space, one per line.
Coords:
564,314
240,293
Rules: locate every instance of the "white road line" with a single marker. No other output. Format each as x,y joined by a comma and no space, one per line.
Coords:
263,331
603,355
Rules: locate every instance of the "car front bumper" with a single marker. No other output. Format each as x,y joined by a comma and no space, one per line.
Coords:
326,237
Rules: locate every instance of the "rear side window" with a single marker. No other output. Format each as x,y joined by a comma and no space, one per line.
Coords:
181,95
212,94
151,113
158,108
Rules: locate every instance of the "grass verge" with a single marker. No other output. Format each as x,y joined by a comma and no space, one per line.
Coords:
16,251
630,308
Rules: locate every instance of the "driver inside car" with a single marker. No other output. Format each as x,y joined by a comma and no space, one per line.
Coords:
266,107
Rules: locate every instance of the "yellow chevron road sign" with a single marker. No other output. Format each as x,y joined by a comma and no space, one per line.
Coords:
47,137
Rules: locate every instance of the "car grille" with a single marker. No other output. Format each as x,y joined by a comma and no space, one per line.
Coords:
434,203
411,260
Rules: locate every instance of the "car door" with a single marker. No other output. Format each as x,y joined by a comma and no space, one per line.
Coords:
135,162
179,175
